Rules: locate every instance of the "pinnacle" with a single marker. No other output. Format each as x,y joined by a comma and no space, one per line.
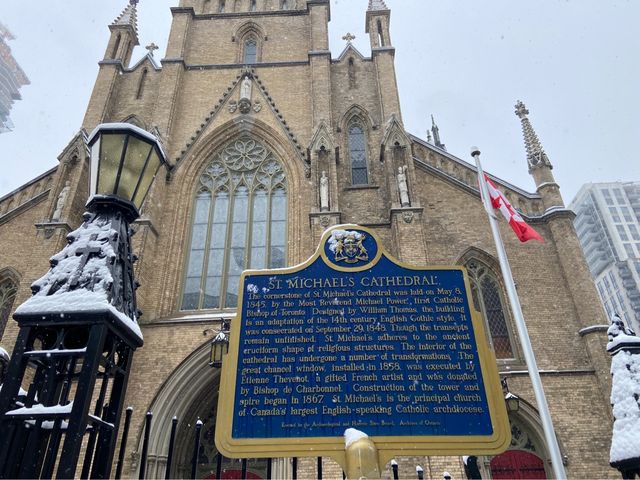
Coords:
129,16
536,156
377,5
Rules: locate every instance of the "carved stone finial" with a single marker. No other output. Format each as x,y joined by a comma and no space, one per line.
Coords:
129,16
436,135
152,47
536,156
521,110
377,5
349,37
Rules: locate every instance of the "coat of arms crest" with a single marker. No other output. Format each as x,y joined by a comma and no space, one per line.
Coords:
347,246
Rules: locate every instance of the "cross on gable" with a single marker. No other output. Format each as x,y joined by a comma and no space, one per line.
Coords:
349,37
152,47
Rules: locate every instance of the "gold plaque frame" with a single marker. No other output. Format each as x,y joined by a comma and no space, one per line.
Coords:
388,447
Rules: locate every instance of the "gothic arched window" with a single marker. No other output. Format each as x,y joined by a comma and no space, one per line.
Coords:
352,74
358,154
8,291
250,51
116,46
489,300
239,222
141,83
221,6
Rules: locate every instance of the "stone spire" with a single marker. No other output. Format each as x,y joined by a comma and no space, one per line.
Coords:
436,135
377,5
129,16
536,157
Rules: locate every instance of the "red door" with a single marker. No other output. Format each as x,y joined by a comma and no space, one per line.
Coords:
517,465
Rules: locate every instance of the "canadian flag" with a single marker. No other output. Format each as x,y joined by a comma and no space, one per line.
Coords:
523,231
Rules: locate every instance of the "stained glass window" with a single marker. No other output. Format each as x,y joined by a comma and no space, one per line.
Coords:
488,299
358,155
239,222
7,296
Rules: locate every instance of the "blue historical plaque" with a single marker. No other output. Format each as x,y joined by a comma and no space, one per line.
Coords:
354,339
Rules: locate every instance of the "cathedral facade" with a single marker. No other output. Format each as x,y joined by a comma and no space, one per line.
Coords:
271,139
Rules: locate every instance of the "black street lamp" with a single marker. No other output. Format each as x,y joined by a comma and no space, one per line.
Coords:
79,329
511,399
219,346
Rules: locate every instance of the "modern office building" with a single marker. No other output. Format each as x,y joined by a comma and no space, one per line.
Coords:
608,226
12,78
273,138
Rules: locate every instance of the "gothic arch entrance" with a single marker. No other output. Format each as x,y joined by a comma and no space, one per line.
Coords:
191,393
527,457
516,465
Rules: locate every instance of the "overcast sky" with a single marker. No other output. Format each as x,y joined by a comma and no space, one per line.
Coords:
573,62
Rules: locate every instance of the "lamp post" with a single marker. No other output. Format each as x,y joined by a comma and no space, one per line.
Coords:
511,399
219,346
79,329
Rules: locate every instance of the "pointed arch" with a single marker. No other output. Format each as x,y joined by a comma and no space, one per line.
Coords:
357,127
352,73
360,112
380,34
141,83
9,284
239,222
250,37
190,393
186,177
528,452
395,134
322,139
135,120
116,46
488,295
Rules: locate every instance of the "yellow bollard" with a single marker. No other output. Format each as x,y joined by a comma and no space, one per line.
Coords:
361,456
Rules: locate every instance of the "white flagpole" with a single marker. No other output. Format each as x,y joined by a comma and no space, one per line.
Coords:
523,334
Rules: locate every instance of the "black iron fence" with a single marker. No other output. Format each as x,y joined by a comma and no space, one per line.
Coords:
219,460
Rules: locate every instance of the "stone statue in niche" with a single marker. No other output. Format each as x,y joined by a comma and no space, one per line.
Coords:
324,192
62,198
402,186
245,89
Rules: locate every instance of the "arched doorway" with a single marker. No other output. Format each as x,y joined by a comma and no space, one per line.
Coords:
527,457
211,464
516,465
191,393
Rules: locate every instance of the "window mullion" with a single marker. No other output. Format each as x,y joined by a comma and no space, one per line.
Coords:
227,245
248,240
205,254
267,242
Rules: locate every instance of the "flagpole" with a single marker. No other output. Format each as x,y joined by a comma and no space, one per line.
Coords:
523,334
